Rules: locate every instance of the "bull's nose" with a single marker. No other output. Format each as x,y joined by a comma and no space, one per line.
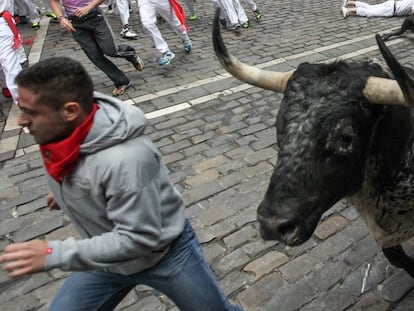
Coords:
272,228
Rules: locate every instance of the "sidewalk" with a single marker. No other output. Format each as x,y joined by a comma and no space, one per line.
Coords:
217,138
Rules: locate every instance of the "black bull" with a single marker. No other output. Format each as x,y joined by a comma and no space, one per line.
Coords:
344,130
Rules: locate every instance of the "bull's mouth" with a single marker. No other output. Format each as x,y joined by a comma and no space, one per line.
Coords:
292,240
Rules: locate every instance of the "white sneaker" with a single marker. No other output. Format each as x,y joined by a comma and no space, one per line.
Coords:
128,33
344,11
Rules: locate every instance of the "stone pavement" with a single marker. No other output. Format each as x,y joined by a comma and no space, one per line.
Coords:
217,137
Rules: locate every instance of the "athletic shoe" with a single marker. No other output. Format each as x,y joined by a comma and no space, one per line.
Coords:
193,17
128,33
344,11
35,25
51,15
187,45
166,58
257,15
6,92
136,61
245,24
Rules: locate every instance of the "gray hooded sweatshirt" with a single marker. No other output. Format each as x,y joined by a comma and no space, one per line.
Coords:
119,197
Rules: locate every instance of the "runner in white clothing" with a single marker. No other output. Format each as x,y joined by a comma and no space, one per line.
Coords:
172,12
385,9
10,43
123,7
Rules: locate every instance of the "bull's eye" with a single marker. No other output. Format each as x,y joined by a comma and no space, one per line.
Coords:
344,144
345,140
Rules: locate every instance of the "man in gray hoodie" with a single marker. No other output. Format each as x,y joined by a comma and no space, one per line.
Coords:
109,178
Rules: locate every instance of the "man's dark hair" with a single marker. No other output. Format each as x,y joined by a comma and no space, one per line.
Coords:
58,80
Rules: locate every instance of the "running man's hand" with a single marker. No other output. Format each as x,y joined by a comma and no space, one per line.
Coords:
66,24
24,258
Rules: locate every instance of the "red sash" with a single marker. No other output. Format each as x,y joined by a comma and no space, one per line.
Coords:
179,12
17,40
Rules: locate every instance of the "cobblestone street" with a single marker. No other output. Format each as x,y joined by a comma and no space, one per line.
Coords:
217,138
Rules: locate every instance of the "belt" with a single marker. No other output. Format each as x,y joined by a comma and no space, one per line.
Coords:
90,15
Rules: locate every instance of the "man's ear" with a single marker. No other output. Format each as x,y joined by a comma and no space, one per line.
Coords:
71,111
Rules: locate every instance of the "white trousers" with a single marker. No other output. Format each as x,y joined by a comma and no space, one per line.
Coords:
385,9
123,8
232,9
148,10
252,5
9,58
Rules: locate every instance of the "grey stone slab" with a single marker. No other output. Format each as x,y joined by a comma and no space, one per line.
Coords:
302,291
398,285
335,299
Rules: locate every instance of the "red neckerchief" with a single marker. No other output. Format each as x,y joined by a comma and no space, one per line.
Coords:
60,158
17,40
179,12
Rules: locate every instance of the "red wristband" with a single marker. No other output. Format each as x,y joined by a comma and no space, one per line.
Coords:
49,251
60,18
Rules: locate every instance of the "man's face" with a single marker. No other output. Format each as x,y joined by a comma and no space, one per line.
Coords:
46,124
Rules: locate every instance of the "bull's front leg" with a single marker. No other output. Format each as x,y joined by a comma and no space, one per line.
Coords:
397,257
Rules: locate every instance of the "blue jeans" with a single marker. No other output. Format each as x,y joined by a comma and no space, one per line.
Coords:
183,275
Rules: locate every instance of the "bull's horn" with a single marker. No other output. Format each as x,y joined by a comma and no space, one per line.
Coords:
383,91
269,80
403,75
386,91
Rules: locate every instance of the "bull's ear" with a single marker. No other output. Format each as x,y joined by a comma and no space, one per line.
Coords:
402,75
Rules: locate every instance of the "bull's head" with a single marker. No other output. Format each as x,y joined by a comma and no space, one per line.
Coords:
324,126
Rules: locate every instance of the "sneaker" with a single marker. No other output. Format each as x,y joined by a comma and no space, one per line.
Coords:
187,45
35,25
166,58
128,33
258,15
136,61
344,12
245,24
236,28
51,15
193,17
